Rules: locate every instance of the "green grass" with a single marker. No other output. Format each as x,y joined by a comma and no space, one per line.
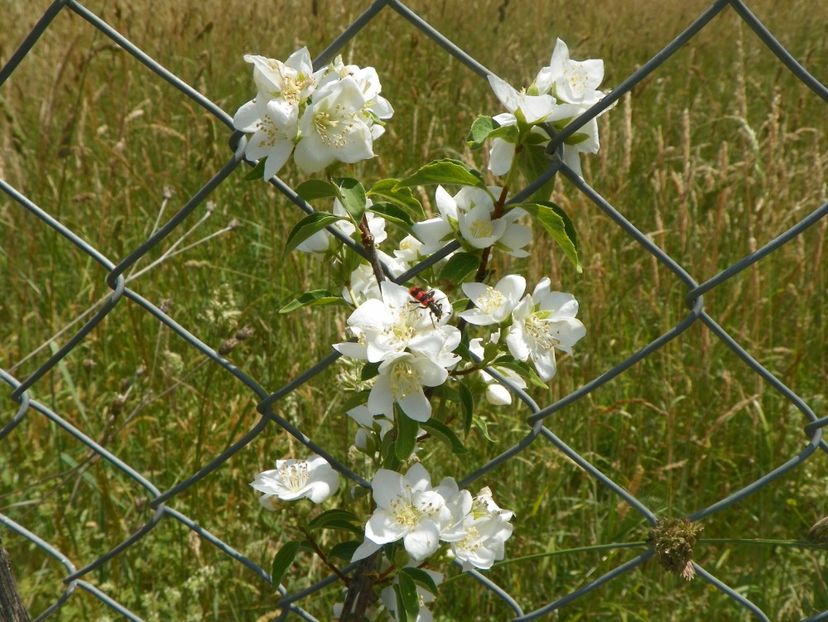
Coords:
712,156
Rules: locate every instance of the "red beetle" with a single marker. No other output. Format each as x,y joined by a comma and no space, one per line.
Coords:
426,300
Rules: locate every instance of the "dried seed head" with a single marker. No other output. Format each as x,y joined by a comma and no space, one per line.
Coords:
227,346
245,332
674,539
819,532
118,403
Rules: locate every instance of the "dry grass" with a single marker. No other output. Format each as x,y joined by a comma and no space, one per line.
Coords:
712,156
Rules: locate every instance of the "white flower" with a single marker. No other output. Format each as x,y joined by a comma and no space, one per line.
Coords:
543,322
530,108
397,322
496,393
493,305
575,82
401,379
409,251
469,214
436,232
486,528
332,128
516,236
291,80
274,124
563,90
376,108
368,425
408,509
292,479
322,241
362,286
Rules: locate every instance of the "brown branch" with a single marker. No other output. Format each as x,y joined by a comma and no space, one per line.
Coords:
11,607
360,592
321,554
368,244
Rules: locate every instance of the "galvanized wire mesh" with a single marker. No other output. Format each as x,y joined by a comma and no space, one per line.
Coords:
266,399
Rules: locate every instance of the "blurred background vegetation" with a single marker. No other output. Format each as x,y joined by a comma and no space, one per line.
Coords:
712,156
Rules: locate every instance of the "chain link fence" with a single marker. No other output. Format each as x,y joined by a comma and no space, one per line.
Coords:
291,603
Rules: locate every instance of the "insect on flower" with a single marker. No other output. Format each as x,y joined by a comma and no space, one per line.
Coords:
426,300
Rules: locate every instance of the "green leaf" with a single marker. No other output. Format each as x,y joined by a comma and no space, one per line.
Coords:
576,139
389,457
393,214
509,133
352,196
526,371
257,172
533,162
445,171
407,596
558,225
344,550
369,370
467,401
442,432
401,613
316,189
331,517
406,440
313,298
389,190
481,424
350,261
307,227
421,578
282,560
480,129
459,267
342,525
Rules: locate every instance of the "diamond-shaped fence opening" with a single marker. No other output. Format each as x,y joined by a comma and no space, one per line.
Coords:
156,509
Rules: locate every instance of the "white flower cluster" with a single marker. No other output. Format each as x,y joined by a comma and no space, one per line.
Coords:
413,347
321,117
469,216
561,91
402,344
422,516
538,324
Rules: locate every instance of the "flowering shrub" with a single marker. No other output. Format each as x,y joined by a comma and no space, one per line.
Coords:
412,343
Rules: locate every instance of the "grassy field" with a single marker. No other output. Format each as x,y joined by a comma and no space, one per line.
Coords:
712,156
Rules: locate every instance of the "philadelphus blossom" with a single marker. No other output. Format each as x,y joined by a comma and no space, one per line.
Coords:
468,215
292,479
411,510
496,393
542,323
561,91
493,305
414,349
322,241
401,379
485,529
321,117
395,323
